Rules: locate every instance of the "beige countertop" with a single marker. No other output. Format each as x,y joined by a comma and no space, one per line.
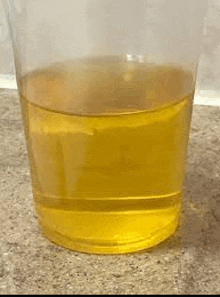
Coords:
187,263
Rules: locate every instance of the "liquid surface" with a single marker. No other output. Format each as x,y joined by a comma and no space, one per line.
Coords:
107,145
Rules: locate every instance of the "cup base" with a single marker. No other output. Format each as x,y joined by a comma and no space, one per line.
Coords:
108,248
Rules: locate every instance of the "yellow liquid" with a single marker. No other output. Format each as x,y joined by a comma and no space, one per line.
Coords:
107,178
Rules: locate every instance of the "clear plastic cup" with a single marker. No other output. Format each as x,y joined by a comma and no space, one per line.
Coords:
106,89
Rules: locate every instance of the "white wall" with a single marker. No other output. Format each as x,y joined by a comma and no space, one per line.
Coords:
6,54
209,71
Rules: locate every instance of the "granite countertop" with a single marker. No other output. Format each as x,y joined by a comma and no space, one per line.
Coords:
187,263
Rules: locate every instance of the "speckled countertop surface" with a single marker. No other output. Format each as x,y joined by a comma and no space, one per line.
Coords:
187,263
